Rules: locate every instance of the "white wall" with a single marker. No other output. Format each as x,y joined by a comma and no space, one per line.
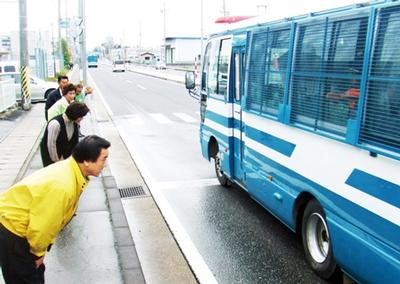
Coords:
185,50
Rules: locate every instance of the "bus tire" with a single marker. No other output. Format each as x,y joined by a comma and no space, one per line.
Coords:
222,178
316,241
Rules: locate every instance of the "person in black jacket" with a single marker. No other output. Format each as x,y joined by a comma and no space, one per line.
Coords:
62,134
56,94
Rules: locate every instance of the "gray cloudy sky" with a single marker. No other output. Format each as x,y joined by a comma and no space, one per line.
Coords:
124,19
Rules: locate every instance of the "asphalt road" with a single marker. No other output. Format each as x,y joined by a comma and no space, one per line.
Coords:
239,241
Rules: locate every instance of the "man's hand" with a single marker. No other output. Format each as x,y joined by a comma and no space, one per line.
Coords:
39,261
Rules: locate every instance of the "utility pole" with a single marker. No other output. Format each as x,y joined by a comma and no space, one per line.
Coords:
262,6
24,57
225,13
59,36
165,32
53,51
140,36
83,41
201,29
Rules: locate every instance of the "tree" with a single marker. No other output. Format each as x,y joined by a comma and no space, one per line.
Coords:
66,53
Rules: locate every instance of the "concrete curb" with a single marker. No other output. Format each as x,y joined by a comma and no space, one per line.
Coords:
128,260
29,158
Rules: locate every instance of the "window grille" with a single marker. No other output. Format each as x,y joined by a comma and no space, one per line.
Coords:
381,121
267,74
327,74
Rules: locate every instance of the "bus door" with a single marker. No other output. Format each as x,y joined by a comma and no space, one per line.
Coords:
238,84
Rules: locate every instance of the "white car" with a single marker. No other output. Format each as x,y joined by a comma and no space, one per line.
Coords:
8,67
39,88
118,65
160,65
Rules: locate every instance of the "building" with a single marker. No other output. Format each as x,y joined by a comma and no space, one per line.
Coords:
182,50
147,58
5,47
40,52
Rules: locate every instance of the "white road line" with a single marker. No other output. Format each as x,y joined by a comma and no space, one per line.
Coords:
97,90
128,81
188,184
135,119
160,118
194,258
141,87
185,117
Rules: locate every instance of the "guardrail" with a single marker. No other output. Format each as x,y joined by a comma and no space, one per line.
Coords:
7,94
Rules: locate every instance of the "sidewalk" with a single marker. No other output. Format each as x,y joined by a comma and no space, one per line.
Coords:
85,251
16,145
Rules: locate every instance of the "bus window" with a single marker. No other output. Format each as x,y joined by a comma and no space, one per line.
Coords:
275,65
381,124
212,75
217,77
345,57
206,66
223,65
327,97
306,85
256,71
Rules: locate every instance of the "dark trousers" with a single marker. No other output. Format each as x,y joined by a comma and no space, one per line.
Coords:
17,263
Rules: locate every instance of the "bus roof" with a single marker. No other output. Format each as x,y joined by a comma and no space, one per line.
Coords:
260,21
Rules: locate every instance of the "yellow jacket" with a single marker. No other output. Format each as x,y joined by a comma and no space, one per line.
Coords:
40,205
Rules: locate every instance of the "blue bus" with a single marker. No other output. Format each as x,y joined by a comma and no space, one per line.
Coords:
92,60
304,114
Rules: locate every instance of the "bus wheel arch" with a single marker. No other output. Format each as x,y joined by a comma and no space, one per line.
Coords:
213,152
212,148
299,207
316,240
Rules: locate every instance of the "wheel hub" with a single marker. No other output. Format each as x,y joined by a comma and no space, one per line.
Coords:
317,237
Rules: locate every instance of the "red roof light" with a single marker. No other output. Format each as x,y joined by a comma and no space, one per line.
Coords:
231,19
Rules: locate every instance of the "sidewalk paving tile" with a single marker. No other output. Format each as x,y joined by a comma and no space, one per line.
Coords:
84,252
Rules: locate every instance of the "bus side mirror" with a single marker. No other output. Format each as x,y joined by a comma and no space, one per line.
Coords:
189,80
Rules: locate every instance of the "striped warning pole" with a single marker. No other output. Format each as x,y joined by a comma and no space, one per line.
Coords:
24,56
25,88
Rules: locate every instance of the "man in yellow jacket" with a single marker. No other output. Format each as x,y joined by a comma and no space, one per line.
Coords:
36,209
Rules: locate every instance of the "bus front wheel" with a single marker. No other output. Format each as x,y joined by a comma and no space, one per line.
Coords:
221,176
316,241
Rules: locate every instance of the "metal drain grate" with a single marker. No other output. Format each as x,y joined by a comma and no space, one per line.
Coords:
136,191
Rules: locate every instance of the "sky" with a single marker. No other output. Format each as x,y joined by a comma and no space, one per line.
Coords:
141,22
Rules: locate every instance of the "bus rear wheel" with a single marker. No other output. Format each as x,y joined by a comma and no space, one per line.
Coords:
316,241
222,178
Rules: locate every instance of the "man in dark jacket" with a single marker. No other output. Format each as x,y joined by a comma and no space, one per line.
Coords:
56,94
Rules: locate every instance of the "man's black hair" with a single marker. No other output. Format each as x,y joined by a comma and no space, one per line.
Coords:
76,110
89,148
61,77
